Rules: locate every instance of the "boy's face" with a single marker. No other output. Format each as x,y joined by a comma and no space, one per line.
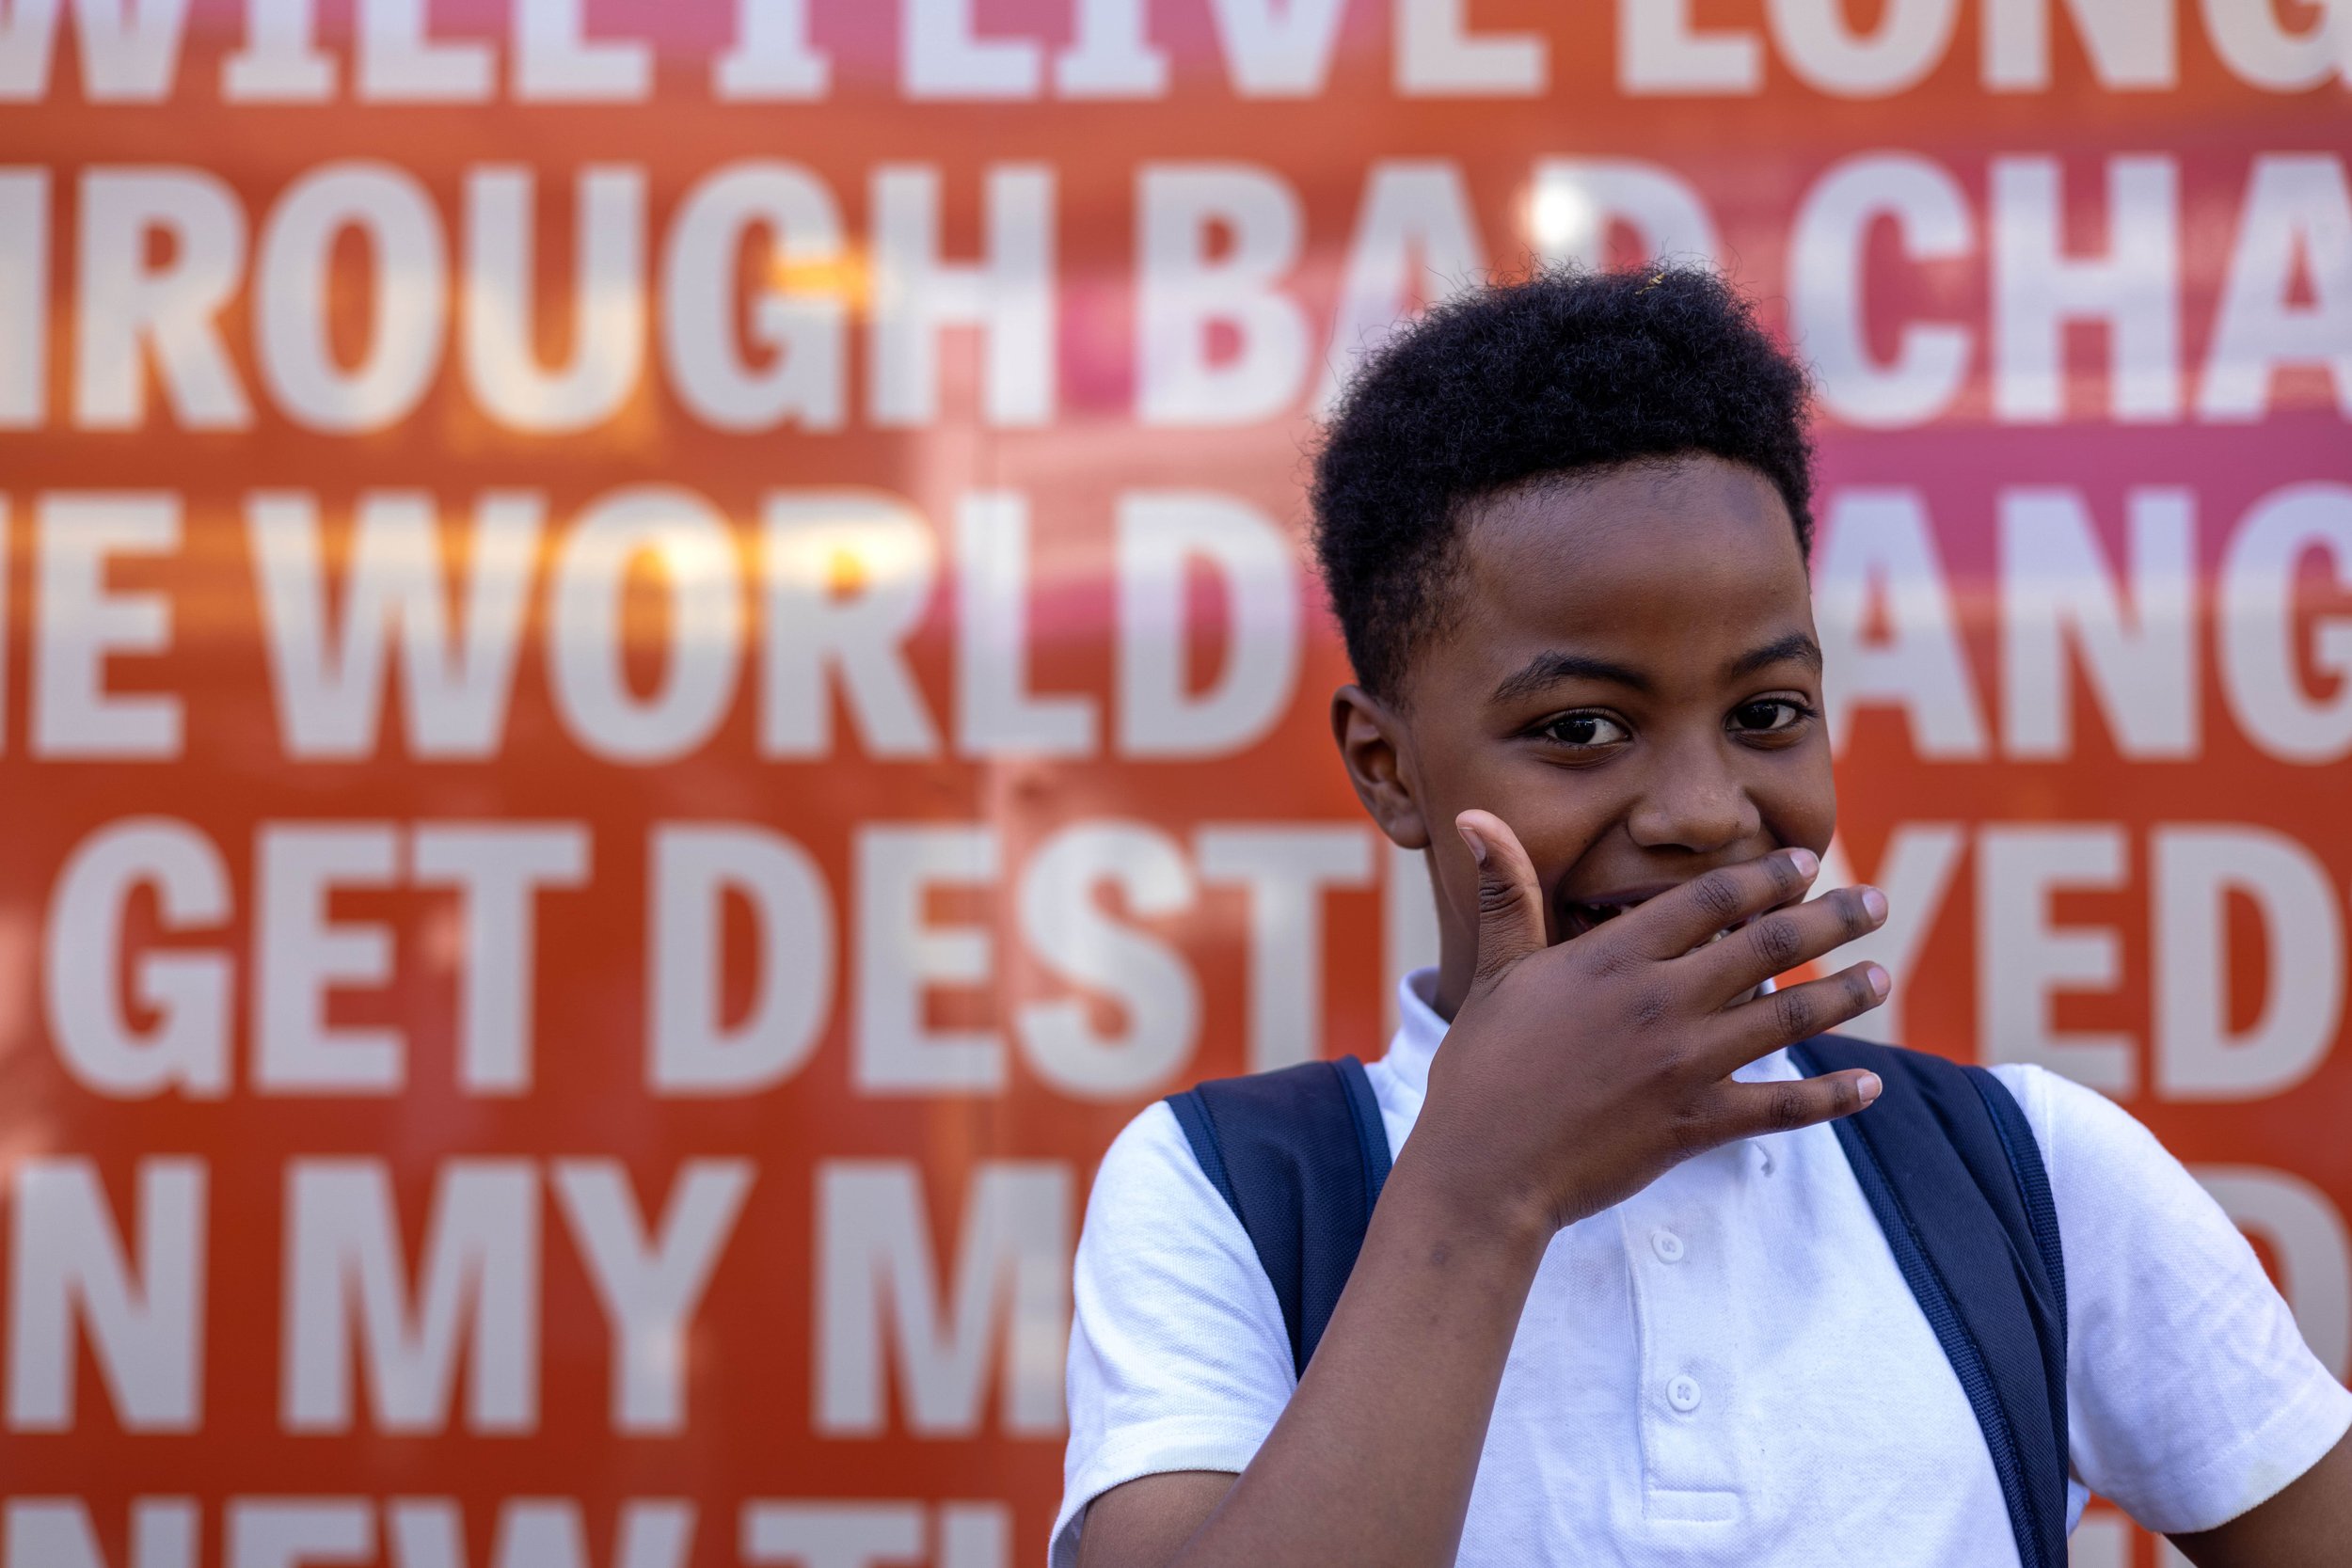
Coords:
1632,682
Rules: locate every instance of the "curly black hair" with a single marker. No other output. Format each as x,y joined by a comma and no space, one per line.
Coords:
1565,370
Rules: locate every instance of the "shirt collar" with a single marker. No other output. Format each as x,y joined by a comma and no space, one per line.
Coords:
1419,1029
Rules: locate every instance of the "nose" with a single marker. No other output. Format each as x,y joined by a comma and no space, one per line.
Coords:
1693,801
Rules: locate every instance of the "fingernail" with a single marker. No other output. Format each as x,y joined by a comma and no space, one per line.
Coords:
1874,901
1867,1085
1881,981
1477,845
1805,860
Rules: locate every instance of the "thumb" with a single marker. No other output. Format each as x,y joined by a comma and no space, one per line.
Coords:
1510,905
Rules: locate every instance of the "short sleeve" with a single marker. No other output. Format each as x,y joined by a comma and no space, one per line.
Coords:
1178,1356
2191,1395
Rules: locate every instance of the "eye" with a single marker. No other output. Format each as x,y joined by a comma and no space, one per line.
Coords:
1769,716
1585,731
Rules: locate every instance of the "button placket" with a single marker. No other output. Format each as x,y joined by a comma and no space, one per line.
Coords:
1677,1254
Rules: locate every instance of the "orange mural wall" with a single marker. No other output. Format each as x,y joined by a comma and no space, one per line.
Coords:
659,662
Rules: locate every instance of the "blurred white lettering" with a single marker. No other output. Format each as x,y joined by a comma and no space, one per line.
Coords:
480,1279
901,953
1829,313
1187,288
329,685
2024,957
1010,295
874,1267
1285,869
128,306
1145,975
2056,589
2199,870
79,624
189,994
2298,213
2134,288
2265,648
607,295
67,1262
55,1532
302,953
692,1048
1162,536
1878,553
649,1285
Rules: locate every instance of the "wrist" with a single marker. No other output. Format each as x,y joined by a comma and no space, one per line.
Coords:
1505,1223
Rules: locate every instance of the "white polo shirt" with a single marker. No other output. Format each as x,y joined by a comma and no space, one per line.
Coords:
1728,1367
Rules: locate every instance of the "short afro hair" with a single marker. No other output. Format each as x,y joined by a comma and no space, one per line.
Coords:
1565,370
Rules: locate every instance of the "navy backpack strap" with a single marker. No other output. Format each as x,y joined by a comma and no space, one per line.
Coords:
1299,1155
1951,1171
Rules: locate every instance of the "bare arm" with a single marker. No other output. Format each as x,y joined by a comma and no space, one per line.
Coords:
1573,1077
1148,1519
2306,1525
1373,1460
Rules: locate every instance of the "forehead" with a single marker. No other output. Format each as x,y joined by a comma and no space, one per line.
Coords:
1667,567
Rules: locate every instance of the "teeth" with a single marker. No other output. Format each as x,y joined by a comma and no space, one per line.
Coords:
1599,914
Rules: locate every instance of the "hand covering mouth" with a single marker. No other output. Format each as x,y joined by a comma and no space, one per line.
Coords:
1587,914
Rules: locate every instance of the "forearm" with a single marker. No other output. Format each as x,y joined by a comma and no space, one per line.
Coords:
1372,1463
2306,1524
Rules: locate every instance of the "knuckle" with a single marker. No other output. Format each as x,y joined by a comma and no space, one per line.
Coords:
1496,896
1693,1133
1777,940
1615,962
1652,1005
1788,1108
1792,1013
1671,1061
1857,913
1717,894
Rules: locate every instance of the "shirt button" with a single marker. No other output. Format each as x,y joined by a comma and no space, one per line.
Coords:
1684,1394
1667,1246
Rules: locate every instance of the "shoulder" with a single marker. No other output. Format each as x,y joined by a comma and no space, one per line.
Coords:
2079,1127
1153,1212
1178,1355
2122,1196
1161,1250
1149,1157
2192,1396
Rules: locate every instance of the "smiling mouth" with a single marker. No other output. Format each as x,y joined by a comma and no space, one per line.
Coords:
1591,915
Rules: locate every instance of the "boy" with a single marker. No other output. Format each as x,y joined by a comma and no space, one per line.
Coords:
1621,1299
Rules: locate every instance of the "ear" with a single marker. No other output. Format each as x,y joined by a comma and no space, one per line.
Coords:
1373,746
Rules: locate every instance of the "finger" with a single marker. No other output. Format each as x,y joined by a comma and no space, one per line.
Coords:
1753,1109
1510,904
1783,1017
1677,920
1778,940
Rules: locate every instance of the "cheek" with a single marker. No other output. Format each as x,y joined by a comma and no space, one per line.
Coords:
1558,823
1800,805
1554,825
1563,835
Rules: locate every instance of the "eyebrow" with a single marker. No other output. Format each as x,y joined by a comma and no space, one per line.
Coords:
1552,666
1796,645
